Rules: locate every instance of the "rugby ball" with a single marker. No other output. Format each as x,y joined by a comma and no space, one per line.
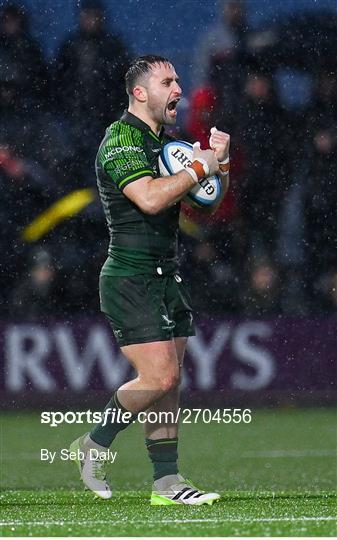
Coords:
175,157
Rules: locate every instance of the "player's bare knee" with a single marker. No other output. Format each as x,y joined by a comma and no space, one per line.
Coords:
169,381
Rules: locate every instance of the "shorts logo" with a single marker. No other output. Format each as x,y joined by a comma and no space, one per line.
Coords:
118,333
168,322
177,278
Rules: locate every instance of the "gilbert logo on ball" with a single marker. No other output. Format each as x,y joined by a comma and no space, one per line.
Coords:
176,156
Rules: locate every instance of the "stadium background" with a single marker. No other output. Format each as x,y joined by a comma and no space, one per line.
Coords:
263,272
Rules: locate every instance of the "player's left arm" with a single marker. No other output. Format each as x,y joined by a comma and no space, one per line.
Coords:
219,141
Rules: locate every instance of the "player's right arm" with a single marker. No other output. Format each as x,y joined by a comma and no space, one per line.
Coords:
153,195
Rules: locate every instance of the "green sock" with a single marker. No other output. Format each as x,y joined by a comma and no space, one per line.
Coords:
105,434
163,454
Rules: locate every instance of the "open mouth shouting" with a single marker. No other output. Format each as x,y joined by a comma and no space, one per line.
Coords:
171,107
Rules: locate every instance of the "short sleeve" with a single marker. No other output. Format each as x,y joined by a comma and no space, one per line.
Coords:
124,160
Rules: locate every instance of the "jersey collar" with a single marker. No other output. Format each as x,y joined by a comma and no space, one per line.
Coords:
130,118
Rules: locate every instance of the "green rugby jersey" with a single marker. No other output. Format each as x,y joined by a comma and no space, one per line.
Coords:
139,243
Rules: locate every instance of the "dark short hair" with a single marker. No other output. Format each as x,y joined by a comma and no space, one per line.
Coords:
139,67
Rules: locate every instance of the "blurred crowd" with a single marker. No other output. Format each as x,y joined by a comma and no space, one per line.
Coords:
271,250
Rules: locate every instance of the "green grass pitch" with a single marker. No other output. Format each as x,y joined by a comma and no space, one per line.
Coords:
277,477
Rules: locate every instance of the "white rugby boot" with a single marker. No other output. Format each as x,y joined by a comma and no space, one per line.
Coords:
174,489
91,467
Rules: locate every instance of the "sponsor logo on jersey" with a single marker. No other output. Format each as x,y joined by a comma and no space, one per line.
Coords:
128,167
119,149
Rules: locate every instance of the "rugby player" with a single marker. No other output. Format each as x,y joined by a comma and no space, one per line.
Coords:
141,291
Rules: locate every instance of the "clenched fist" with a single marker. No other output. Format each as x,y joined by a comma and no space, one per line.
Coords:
219,142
